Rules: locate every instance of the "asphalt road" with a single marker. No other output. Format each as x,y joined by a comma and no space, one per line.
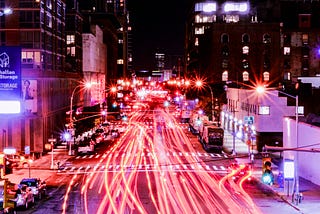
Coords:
148,180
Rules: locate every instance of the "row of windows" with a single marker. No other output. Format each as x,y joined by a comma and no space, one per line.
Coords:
266,38
32,19
245,76
37,60
31,39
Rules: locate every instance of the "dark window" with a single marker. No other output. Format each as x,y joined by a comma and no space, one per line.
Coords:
266,38
224,38
225,51
286,64
287,39
245,38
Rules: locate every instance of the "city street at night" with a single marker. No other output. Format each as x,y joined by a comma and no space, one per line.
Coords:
156,166
159,107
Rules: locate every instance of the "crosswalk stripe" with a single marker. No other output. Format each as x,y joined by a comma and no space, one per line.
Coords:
169,154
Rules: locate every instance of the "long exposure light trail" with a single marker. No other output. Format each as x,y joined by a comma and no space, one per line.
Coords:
160,164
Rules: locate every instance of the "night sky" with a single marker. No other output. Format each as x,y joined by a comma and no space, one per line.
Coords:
157,26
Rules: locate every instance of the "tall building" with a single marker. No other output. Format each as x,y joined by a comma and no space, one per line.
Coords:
273,42
38,28
244,43
46,41
113,18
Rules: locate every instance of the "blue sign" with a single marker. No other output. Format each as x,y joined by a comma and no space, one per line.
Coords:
249,119
10,79
10,73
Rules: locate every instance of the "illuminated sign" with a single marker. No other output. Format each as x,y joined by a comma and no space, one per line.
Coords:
236,7
10,79
264,110
209,7
288,169
205,7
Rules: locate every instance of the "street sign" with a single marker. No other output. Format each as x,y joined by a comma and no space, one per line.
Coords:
27,150
249,119
52,140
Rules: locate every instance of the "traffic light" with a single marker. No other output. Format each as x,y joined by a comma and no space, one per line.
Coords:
8,167
267,175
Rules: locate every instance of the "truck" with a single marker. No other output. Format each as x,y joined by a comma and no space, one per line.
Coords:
211,137
185,115
85,146
196,122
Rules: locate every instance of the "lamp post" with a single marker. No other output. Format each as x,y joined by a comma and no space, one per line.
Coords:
29,164
200,84
296,193
87,85
71,119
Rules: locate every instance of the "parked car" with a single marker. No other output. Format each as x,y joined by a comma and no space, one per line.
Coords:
38,187
17,160
24,197
115,133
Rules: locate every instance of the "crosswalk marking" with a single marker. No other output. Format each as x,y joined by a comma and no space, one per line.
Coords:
142,167
146,167
150,154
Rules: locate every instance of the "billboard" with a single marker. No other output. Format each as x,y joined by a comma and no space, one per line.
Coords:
10,79
29,96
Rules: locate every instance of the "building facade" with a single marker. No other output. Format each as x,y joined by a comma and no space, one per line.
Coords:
242,44
50,35
38,27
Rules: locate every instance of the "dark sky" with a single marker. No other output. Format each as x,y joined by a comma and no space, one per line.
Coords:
157,26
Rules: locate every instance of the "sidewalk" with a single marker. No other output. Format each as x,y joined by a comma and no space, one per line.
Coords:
40,168
310,203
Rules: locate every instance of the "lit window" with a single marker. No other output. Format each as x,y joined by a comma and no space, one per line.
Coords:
245,76
266,76
205,7
27,56
245,50
233,6
232,18
199,30
196,42
120,61
287,76
225,76
205,19
286,51
71,51
70,39
120,41
264,110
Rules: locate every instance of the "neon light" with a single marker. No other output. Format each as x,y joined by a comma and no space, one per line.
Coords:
9,107
240,7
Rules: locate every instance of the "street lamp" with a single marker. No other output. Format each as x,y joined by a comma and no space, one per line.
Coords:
297,195
29,164
200,84
5,11
87,85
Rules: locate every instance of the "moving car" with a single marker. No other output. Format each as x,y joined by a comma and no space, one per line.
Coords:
37,187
